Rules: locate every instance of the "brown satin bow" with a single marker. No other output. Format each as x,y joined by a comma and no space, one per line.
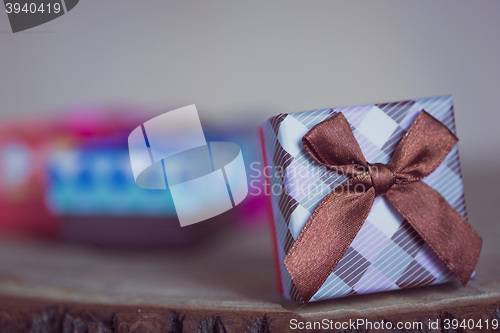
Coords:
338,218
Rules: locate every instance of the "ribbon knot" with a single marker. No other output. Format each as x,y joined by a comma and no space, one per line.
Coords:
340,215
382,177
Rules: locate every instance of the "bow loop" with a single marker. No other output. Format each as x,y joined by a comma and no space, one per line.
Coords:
422,149
332,144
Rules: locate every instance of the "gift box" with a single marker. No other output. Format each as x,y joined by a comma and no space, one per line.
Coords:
367,199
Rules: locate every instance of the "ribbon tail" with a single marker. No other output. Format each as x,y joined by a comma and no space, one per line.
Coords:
446,232
328,234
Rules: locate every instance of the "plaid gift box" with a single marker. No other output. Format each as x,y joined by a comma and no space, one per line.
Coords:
387,253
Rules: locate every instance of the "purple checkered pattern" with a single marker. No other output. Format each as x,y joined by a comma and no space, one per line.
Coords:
387,253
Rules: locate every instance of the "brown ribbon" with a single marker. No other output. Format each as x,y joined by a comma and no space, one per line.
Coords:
338,218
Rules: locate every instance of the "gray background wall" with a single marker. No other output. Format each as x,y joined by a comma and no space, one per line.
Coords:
251,59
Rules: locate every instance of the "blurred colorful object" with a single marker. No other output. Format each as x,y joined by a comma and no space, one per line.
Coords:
99,182
69,177
23,144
